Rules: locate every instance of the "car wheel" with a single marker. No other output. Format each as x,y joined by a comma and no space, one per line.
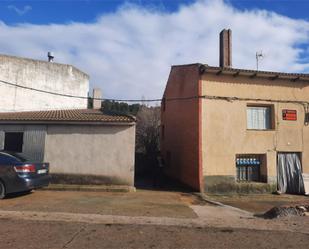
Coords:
2,190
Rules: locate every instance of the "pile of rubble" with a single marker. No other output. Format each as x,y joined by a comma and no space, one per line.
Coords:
286,211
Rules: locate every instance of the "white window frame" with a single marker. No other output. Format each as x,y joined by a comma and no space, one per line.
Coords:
259,117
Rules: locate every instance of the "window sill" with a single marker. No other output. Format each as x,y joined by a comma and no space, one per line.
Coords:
261,130
244,181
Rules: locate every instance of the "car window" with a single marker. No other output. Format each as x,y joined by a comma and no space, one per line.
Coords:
8,159
20,157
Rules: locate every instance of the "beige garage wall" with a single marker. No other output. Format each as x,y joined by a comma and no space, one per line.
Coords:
92,150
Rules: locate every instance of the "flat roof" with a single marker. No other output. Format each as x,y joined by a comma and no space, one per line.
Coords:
53,64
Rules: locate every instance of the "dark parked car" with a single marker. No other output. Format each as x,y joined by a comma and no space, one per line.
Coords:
17,174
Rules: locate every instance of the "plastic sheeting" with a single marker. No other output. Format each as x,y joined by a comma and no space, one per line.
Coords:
306,183
290,178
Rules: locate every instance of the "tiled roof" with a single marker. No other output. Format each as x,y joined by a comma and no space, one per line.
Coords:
271,75
257,73
64,116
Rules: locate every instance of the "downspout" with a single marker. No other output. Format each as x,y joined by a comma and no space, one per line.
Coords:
200,136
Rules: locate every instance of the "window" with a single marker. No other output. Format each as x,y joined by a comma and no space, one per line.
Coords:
248,167
259,118
7,159
13,141
307,117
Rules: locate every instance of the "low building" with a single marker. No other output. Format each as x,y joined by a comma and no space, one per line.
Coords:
227,129
44,115
20,76
81,145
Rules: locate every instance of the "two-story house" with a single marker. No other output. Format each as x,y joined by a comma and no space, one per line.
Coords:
228,129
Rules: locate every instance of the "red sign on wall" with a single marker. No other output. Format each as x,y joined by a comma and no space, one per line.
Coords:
290,115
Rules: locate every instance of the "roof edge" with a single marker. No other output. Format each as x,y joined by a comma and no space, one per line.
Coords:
67,116
242,70
30,122
188,65
271,75
42,61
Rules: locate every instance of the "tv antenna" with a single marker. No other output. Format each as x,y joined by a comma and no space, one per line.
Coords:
258,56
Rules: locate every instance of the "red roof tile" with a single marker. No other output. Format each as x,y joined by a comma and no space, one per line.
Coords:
63,116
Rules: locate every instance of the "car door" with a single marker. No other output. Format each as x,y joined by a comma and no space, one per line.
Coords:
7,173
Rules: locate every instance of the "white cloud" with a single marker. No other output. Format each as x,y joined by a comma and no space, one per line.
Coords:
129,53
19,11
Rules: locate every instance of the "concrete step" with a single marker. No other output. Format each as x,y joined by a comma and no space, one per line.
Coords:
90,188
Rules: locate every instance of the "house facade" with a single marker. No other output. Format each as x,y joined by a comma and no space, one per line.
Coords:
226,129
82,146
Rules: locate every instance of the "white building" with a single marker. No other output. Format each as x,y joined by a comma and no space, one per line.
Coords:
17,75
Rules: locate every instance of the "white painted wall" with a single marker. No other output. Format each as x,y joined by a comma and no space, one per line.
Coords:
54,77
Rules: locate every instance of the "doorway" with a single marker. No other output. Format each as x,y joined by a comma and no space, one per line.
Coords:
289,173
13,141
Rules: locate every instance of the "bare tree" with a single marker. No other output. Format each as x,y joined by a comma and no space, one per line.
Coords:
148,131
147,144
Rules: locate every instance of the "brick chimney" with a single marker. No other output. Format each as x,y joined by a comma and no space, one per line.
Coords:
226,48
97,103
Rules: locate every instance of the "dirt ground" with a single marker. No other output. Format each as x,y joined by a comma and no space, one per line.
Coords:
144,219
141,203
259,203
57,235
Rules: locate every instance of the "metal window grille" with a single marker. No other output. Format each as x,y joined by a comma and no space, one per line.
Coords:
248,168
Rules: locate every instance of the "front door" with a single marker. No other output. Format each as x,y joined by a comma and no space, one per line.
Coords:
289,173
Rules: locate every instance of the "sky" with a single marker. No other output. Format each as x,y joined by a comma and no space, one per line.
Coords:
128,47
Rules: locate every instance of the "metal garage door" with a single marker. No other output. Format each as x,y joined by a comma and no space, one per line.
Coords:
34,143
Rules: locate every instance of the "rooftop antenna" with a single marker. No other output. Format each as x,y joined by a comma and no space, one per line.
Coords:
50,56
258,56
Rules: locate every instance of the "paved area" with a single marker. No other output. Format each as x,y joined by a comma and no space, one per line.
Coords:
145,219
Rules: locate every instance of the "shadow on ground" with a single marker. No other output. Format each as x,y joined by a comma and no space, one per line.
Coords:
160,182
19,194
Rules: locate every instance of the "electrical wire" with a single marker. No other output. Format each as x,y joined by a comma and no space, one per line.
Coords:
75,96
305,104
211,97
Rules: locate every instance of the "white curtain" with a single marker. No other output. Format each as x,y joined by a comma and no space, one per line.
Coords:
290,178
258,118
